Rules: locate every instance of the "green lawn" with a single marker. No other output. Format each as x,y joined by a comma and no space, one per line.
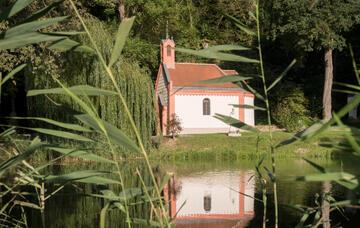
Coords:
220,146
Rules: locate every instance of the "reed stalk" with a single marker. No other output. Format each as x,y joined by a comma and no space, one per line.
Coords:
127,112
267,106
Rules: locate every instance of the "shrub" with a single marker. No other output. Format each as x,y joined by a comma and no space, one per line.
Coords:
174,126
290,108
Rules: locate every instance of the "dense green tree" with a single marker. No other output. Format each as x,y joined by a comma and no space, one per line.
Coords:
314,25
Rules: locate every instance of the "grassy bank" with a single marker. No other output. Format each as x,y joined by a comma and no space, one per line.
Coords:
220,146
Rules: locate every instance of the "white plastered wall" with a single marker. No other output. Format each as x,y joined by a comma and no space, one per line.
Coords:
249,115
189,109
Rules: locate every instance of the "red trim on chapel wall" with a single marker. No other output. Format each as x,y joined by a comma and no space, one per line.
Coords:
171,100
241,110
211,92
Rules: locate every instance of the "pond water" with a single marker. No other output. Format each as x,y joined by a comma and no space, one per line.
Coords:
207,194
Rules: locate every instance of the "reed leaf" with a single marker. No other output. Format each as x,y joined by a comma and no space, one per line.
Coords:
130,193
42,12
33,26
346,91
7,132
122,34
351,140
69,44
114,134
58,133
318,128
225,79
74,127
145,222
245,29
345,179
12,73
83,176
355,67
77,90
249,107
330,176
210,54
241,25
235,122
30,150
16,7
83,154
26,39
252,90
302,220
228,47
356,87
103,215
282,75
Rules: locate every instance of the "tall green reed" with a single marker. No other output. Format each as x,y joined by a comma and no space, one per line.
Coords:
227,53
90,119
123,31
327,203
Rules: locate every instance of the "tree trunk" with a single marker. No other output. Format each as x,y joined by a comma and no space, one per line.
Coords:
325,209
328,84
122,10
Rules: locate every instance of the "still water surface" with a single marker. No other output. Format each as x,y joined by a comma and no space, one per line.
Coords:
209,194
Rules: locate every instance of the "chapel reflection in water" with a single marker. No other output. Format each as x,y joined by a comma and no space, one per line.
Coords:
212,199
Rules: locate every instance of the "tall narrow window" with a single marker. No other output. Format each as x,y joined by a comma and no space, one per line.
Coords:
206,107
168,50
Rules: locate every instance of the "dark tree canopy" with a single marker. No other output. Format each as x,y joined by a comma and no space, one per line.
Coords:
312,25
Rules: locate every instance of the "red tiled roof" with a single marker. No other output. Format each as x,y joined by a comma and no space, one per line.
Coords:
188,74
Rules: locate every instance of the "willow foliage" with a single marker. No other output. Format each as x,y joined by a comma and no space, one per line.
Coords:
79,69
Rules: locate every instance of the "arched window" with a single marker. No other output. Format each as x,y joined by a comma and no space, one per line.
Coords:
168,50
206,107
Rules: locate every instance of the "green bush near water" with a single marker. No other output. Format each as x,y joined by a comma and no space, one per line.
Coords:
290,108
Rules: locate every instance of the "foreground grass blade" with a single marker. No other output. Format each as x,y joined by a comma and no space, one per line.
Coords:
115,134
121,36
235,122
77,90
35,144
